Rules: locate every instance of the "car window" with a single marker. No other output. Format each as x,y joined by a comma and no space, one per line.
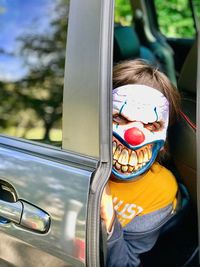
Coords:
175,18
196,8
32,55
123,12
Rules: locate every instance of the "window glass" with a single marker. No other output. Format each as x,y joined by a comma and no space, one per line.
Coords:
175,18
32,56
123,13
196,6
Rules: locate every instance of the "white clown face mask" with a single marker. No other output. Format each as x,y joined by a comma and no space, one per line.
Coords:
140,121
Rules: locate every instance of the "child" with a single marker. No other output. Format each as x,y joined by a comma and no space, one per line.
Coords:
141,194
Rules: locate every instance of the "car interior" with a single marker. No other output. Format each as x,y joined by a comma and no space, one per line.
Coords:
178,242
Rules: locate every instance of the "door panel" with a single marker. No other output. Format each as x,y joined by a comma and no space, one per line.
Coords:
14,249
58,181
61,191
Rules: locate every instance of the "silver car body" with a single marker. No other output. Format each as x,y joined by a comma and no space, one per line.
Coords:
53,218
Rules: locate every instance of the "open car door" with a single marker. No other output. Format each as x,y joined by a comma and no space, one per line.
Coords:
50,196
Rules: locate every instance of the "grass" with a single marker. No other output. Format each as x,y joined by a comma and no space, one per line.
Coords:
33,133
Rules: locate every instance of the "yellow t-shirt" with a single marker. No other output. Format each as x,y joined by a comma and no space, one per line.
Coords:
154,190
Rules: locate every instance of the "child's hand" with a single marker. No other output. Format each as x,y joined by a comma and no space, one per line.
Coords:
107,210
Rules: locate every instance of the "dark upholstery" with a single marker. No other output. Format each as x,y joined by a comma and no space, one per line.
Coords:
187,82
127,46
183,134
182,141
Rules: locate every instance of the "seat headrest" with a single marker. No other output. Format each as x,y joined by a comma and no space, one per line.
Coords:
188,77
126,43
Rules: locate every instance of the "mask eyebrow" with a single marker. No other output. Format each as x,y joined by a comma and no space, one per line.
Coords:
154,126
156,114
120,119
120,111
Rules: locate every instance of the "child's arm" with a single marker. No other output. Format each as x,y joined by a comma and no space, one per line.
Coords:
128,246
107,210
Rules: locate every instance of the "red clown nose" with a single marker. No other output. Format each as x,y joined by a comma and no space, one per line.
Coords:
134,136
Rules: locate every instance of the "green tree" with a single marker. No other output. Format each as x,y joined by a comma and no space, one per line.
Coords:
38,96
175,18
123,13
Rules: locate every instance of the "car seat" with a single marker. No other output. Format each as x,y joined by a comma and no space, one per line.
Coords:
127,46
156,42
182,136
182,141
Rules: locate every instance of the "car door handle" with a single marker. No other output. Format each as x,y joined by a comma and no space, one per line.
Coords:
25,215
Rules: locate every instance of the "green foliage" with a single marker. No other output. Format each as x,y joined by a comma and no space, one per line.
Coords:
123,13
35,101
43,86
196,5
175,18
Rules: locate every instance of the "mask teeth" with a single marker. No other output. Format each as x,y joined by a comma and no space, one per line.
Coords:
130,169
133,160
140,156
123,158
117,152
146,156
149,152
128,161
114,146
124,168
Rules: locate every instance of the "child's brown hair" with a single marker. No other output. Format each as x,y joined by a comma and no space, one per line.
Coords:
140,72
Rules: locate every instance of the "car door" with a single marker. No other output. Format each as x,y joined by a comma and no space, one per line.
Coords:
55,143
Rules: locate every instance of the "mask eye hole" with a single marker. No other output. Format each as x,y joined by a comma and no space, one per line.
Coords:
154,126
119,119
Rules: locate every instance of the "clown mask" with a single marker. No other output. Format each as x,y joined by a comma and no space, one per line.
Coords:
140,121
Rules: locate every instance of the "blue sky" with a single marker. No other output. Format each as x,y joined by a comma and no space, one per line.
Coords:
16,18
